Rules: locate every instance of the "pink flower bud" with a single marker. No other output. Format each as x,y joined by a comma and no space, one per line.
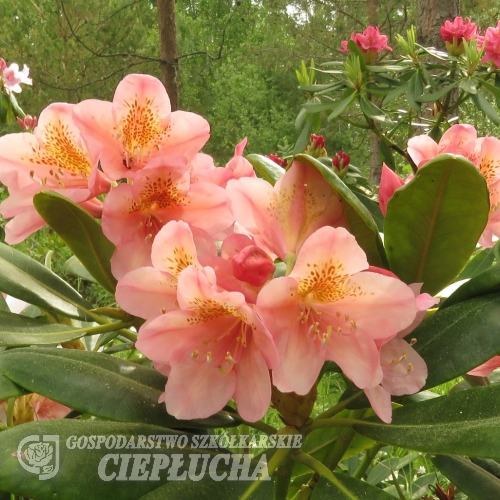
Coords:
253,266
280,161
341,162
28,123
316,146
3,64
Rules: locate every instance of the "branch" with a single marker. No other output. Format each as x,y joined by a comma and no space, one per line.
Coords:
99,80
97,54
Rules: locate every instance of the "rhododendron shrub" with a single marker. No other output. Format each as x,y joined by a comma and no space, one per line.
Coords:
238,294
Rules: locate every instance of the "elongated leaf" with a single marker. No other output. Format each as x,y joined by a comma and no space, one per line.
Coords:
8,389
437,95
374,112
97,384
81,232
481,262
433,223
465,423
458,338
16,330
486,282
26,279
75,267
339,107
304,136
384,469
266,168
483,105
359,219
325,490
470,478
318,107
92,473
414,90
489,465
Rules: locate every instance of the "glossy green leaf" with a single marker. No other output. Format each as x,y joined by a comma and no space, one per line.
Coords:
465,423
479,263
374,112
458,338
359,220
325,490
415,90
8,389
81,232
382,470
468,477
76,268
437,95
26,279
304,136
78,475
318,107
469,85
486,282
373,207
96,384
489,465
484,105
3,304
433,223
16,330
266,168
339,107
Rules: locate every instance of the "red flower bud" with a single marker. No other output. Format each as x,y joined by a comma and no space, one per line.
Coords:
280,161
28,123
340,162
253,266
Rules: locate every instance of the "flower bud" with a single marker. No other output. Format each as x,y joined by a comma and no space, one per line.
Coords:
28,123
3,64
280,161
316,146
252,265
340,163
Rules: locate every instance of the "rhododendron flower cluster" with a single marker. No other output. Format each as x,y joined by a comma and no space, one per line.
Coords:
371,42
491,44
11,76
483,152
197,248
454,33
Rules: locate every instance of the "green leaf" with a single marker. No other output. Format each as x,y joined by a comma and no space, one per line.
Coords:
76,268
385,468
78,475
325,490
465,423
26,279
479,263
81,232
3,304
317,107
437,95
373,207
304,136
266,168
374,112
449,340
96,384
484,105
359,220
8,389
339,107
469,85
16,330
433,223
485,282
415,90
470,478
491,466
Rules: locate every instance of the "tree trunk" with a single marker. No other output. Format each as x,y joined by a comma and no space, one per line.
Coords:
168,49
431,15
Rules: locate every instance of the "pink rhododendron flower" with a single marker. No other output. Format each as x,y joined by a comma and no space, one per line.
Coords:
134,213
370,42
389,182
454,33
13,77
404,372
486,368
282,217
148,292
491,43
138,126
483,152
47,409
215,348
53,158
253,266
327,309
